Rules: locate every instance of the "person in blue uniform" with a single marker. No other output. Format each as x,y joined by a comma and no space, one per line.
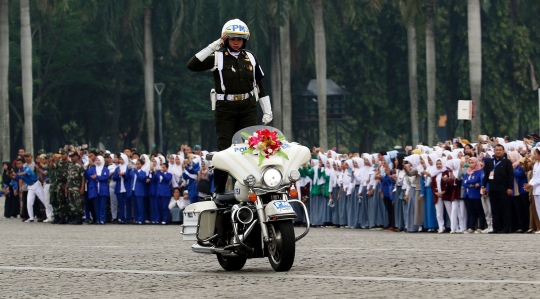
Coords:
138,181
121,177
102,177
164,192
35,188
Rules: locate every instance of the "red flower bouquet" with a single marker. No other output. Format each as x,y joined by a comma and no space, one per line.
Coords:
264,143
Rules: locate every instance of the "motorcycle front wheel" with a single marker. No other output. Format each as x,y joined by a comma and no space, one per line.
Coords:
231,263
281,249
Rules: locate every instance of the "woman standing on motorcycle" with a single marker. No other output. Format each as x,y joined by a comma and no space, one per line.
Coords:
238,84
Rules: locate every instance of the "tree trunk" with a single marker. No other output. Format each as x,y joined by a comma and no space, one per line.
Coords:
4,85
26,59
413,80
475,62
320,65
149,79
285,55
275,79
117,137
431,73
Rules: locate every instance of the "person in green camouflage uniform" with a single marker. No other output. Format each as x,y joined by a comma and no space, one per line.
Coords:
61,169
75,189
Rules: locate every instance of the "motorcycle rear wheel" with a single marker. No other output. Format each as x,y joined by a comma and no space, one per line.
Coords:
281,250
231,263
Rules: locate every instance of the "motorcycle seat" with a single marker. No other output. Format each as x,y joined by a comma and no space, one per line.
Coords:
226,198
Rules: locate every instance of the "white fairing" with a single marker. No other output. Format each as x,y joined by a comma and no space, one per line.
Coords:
239,166
241,192
191,228
279,208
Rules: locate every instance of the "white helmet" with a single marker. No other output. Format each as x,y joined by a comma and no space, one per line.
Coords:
235,28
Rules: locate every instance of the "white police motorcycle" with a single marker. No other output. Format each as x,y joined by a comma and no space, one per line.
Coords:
255,220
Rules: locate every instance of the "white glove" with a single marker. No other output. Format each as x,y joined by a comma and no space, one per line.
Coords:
266,109
211,48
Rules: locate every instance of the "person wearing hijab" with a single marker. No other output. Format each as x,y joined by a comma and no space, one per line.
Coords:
333,202
152,181
430,214
320,192
387,185
375,215
442,191
112,186
337,182
102,176
520,195
361,180
121,177
351,187
415,210
471,195
10,190
344,177
459,215
191,170
147,162
92,207
400,205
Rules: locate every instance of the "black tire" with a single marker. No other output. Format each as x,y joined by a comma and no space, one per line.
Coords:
282,257
231,263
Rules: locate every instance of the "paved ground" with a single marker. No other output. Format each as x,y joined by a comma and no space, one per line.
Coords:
112,261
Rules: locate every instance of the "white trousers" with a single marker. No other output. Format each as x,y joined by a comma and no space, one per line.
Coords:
36,190
439,208
47,194
458,218
486,204
114,202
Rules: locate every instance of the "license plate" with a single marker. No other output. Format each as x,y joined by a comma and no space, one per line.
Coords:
282,205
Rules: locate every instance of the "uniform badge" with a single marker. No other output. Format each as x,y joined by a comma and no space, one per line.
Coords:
226,53
250,68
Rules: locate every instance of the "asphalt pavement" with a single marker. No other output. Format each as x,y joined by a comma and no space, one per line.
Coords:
41,260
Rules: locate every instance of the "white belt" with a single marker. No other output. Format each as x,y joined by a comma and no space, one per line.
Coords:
233,97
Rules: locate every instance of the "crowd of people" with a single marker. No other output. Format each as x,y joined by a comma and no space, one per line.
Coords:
77,185
491,186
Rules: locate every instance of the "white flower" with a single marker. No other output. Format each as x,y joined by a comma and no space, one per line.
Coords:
247,141
255,134
269,150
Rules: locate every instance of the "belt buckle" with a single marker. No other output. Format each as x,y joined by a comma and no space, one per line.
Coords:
238,97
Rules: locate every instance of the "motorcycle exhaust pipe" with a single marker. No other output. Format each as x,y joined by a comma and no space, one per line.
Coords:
243,215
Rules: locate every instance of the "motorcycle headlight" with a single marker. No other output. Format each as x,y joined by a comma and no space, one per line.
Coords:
294,175
250,180
272,177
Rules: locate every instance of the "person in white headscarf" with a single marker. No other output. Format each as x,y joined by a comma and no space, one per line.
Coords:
415,210
349,193
333,190
373,195
121,177
339,217
321,184
458,217
112,186
430,212
102,176
175,169
442,192
153,182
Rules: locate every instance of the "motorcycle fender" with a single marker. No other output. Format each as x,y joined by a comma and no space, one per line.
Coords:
279,210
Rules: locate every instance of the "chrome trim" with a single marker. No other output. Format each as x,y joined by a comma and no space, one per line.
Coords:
307,219
290,178
261,190
262,217
246,183
264,183
212,250
282,217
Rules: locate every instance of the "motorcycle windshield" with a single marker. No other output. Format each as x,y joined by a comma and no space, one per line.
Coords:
239,138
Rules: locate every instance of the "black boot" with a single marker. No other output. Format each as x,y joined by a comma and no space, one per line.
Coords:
63,220
78,220
56,219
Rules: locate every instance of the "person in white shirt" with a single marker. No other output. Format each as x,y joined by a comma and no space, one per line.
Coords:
177,205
